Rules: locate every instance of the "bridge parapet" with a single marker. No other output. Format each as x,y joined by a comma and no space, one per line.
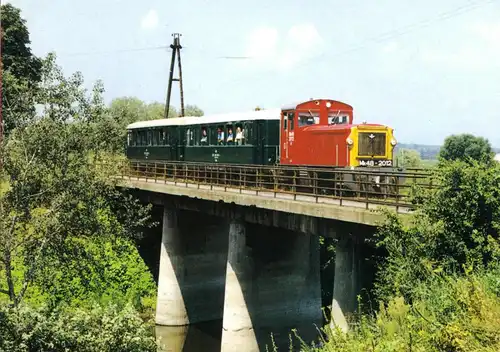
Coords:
323,193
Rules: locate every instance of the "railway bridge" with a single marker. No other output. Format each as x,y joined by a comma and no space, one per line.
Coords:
247,249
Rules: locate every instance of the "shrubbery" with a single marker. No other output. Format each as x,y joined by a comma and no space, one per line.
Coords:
448,313
438,284
25,329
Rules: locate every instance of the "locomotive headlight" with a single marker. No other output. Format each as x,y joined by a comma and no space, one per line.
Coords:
349,141
328,104
393,142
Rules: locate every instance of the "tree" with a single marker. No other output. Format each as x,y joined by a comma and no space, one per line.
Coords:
408,158
156,111
54,194
21,70
126,110
192,110
466,147
456,226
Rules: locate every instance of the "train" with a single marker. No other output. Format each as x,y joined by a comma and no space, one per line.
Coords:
317,133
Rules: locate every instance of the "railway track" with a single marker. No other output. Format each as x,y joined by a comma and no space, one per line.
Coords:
380,187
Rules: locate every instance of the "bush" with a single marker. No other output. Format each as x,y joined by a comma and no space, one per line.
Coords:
449,313
25,329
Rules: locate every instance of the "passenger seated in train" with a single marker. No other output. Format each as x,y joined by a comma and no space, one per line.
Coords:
230,139
239,136
220,136
204,137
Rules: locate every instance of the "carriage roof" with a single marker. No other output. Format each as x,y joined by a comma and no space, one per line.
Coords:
269,114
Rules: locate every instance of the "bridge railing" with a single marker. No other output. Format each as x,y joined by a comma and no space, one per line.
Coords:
337,185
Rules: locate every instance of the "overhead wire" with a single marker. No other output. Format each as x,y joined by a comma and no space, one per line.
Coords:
462,9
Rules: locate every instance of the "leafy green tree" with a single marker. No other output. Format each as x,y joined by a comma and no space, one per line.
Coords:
456,226
126,110
21,70
408,158
156,111
192,110
465,147
55,193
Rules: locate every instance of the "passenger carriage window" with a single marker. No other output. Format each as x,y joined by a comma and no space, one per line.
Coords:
248,133
189,137
239,137
230,135
155,136
164,137
204,136
220,135
149,137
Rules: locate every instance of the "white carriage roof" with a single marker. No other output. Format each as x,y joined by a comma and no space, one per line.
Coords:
269,114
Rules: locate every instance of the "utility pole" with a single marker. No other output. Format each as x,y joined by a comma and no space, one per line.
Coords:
176,51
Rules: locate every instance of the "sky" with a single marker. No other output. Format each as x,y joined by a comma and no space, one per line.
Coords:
427,68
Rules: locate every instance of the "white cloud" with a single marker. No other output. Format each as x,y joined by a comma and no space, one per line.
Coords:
479,50
150,20
262,44
390,47
266,47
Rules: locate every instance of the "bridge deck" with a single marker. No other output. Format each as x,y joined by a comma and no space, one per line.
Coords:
356,211
332,193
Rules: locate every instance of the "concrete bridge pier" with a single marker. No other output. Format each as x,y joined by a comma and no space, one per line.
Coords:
349,271
272,286
192,268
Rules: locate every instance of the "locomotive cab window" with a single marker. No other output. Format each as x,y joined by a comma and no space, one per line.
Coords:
291,120
308,118
337,119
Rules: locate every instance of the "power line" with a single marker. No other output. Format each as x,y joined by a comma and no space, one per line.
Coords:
462,9
117,51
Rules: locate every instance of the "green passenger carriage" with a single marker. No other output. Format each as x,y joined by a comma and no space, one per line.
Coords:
207,139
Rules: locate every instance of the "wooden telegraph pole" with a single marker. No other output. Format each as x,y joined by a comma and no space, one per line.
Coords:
176,51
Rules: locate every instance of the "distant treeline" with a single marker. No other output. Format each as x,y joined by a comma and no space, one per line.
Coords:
427,152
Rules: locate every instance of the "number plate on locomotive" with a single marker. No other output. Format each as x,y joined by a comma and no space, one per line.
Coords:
375,163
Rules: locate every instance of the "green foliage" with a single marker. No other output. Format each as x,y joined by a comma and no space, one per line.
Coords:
438,282
408,158
112,273
109,329
193,110
448,313
21,70
57,193
466,147
457,224
127,110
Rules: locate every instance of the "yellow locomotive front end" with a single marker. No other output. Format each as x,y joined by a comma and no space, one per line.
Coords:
371,146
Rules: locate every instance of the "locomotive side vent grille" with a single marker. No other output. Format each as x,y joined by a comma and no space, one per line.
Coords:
371,144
